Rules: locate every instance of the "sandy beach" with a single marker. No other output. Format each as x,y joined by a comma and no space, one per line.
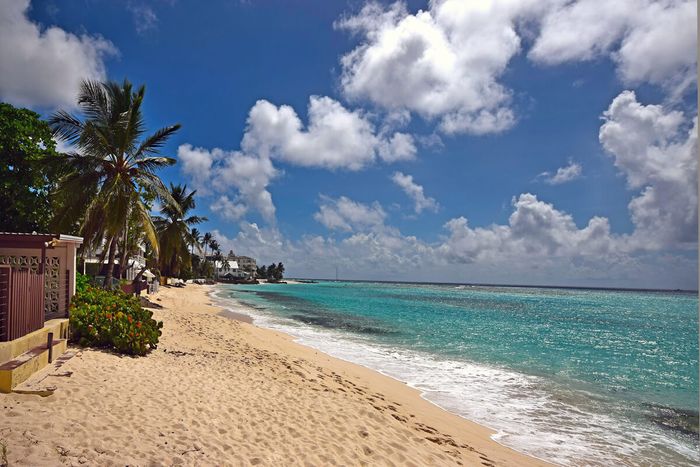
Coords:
221,391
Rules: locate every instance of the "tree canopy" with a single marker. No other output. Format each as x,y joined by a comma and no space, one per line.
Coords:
116,164
29,169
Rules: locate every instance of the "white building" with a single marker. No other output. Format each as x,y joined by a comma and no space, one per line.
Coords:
134,264
247,264
229,268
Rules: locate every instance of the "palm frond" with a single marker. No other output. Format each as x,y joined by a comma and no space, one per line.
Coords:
148,227
94,101
151,164
155,142
65,127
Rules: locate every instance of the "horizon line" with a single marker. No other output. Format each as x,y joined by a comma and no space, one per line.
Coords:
480,284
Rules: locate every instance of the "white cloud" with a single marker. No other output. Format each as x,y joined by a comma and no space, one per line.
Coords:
336,138
656,149
43,67
442,63
348,215
445,63
538,245
197,164
219,171
397,148
228,209
534,229
563,174
415,192
650,41
143,16
264,244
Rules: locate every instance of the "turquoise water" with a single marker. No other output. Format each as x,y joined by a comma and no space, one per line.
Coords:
577,377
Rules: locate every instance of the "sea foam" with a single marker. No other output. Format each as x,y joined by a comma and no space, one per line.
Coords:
529,413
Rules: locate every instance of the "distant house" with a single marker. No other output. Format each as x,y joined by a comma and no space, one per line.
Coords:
92,265
229,269
247,264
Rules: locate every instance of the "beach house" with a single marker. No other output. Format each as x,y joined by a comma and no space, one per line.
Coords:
229,269
246,264
37,282
92,265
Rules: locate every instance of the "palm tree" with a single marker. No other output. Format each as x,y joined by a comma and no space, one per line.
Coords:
115,165
214,245
218,257
196,236
173,230
206,241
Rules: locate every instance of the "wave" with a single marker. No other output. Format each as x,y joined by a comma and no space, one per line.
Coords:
531,414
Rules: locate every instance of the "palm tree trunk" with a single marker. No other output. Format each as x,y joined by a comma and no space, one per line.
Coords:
123,253
110,263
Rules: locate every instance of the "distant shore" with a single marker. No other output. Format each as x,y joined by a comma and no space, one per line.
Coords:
223,391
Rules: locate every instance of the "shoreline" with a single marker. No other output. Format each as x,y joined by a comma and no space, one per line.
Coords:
222,391
486,395
241,315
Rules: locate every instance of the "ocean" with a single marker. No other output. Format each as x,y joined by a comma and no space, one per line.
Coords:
572,376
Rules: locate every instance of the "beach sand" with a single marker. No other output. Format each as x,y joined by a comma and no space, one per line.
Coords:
220,391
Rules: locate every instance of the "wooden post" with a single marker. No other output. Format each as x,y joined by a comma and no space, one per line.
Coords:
49,345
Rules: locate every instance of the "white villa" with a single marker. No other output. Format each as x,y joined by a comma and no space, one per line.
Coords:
230,269
92,265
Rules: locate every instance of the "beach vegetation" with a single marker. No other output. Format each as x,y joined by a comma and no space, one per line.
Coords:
273,272
82,282
195,240
113,169
174,231
206,241
111,319
29,168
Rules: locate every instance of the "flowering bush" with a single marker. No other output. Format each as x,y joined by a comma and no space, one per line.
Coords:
103,318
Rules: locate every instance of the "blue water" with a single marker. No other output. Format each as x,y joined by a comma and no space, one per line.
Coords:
576,377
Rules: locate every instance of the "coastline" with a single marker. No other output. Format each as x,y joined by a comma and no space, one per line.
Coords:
219,390
240,314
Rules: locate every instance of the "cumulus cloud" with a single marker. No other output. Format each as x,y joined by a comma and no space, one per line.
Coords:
43,67
650,41
656,150
415,192
444,62
218,171
539,244
335,138
563,174
348,215
228,209
535,228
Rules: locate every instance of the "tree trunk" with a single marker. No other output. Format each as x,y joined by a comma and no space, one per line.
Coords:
110,263
123,253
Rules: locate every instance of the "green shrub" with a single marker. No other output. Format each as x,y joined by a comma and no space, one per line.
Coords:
112,319
82,282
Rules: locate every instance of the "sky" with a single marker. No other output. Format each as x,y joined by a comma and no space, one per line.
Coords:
513,142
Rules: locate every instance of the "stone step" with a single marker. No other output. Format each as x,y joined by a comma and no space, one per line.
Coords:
20,368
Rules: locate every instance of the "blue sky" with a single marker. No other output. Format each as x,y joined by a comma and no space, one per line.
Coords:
485,96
